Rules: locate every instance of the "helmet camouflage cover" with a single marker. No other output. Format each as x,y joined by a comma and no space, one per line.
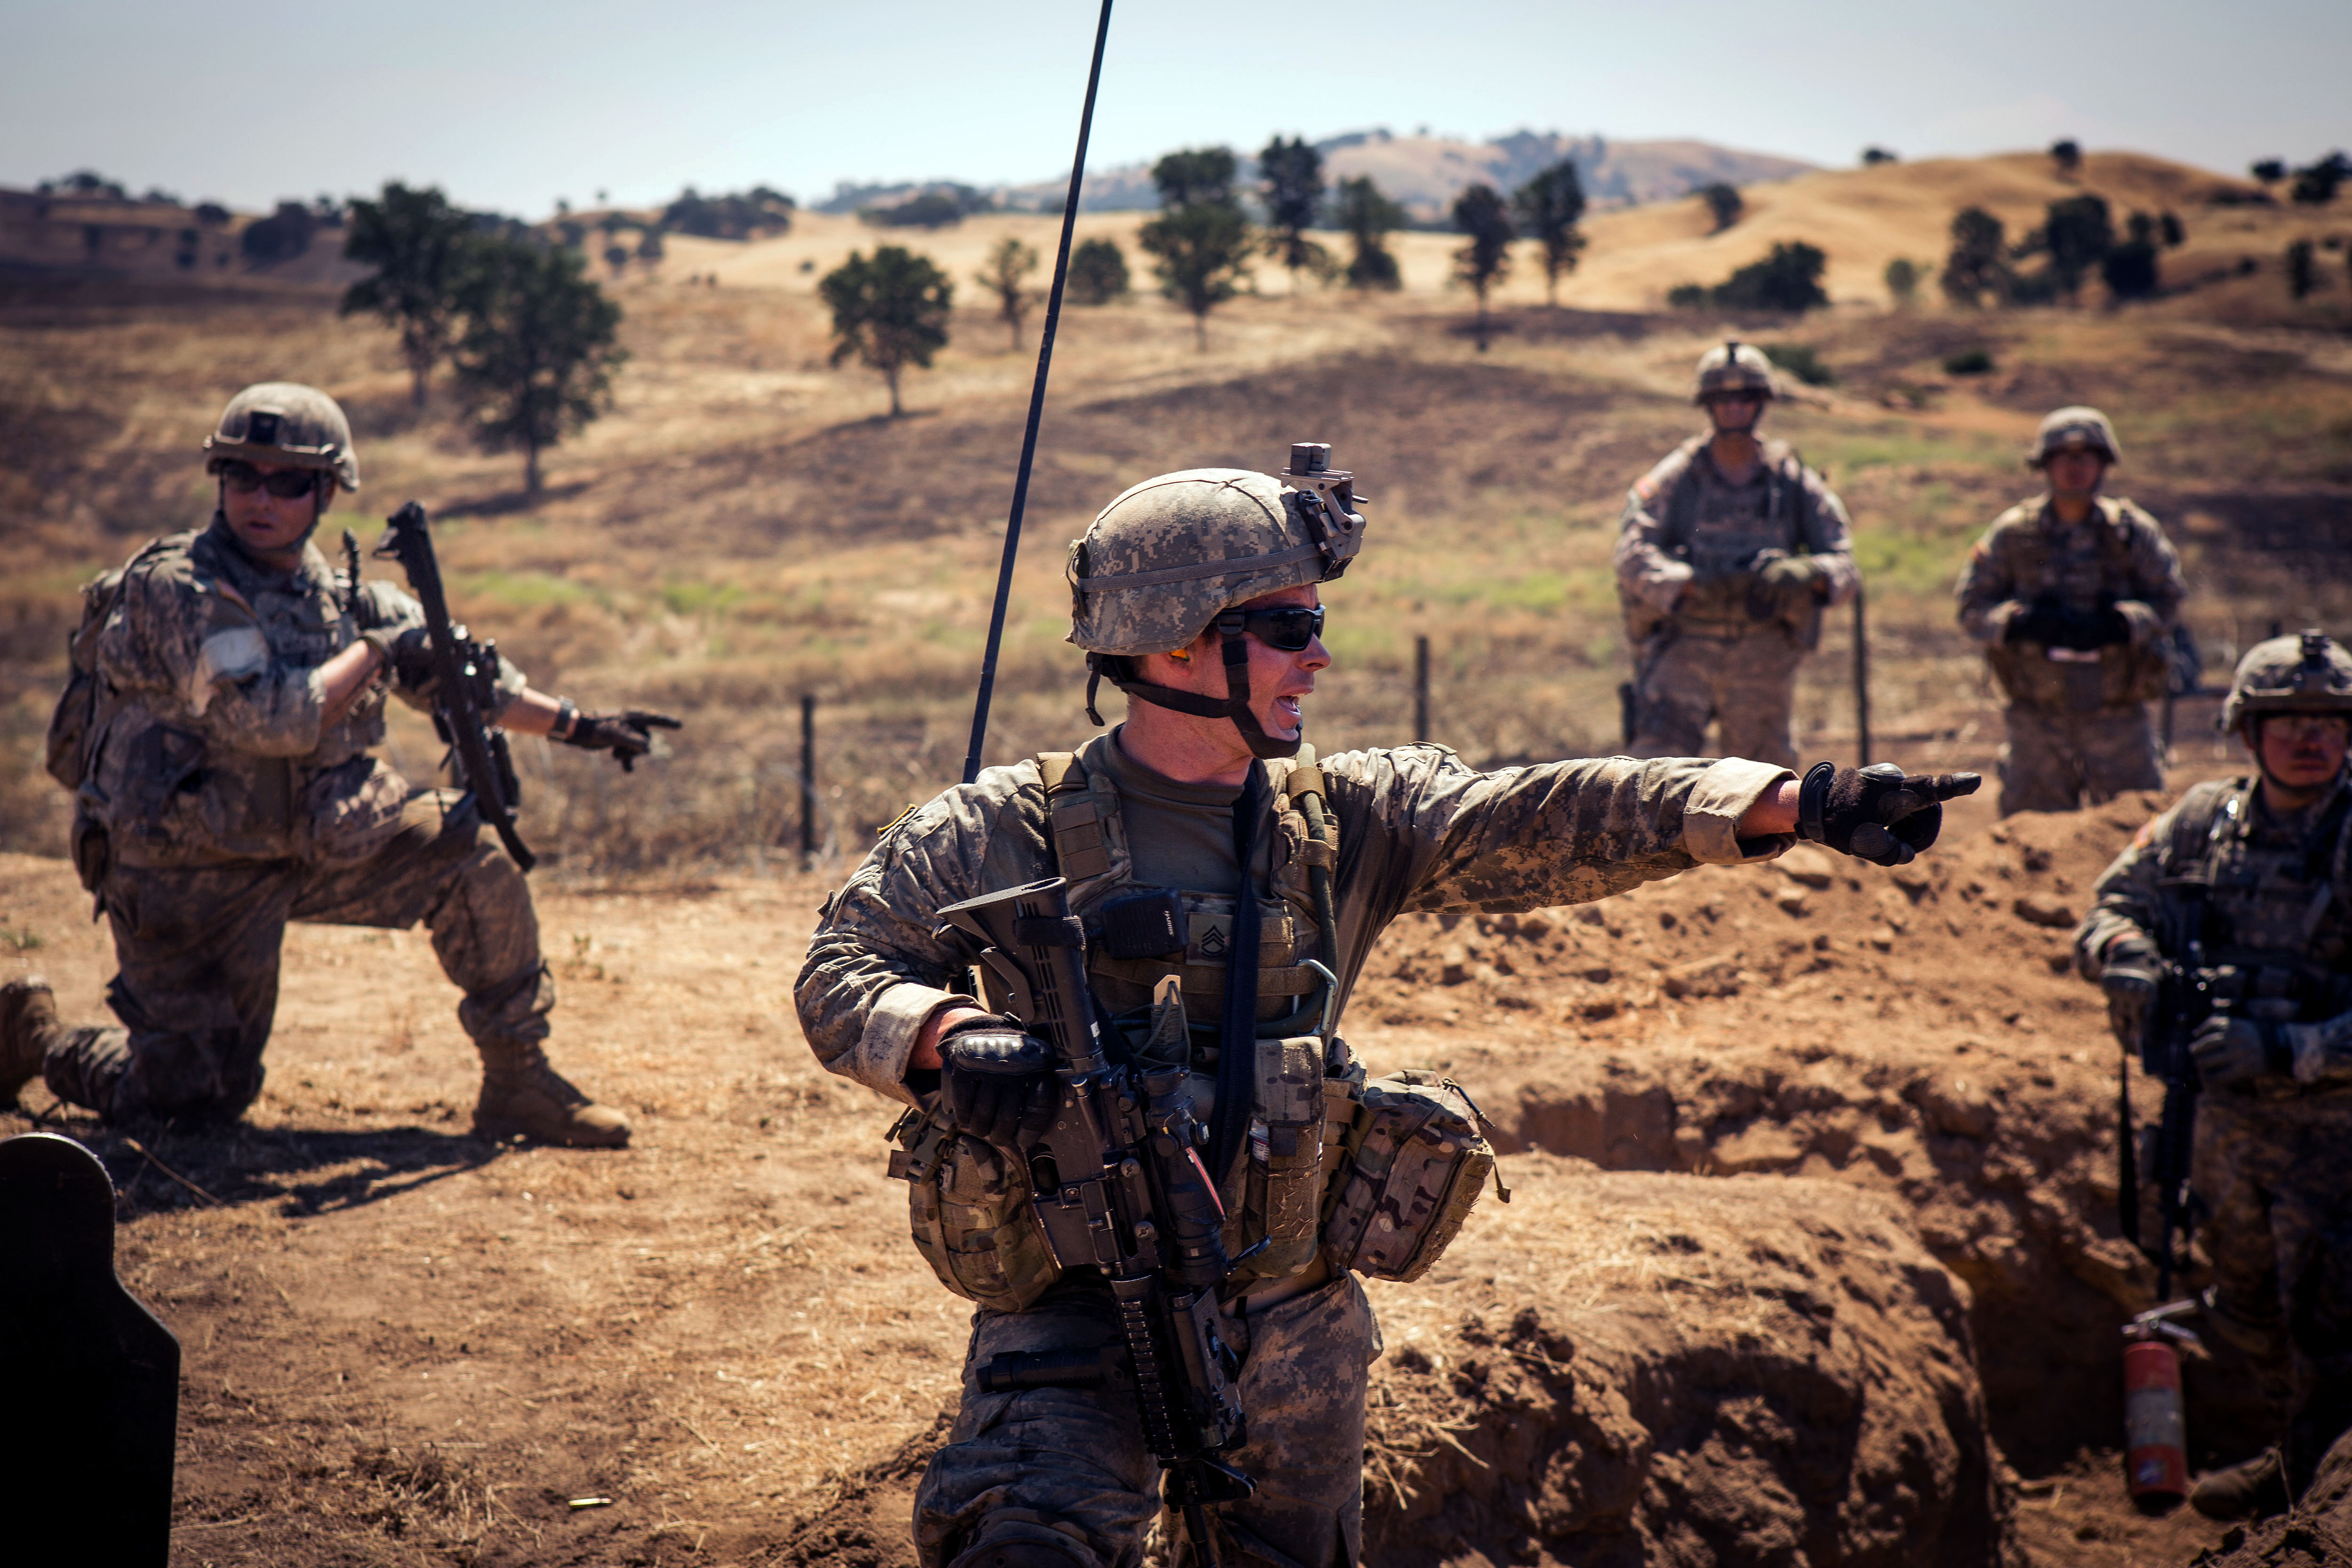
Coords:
1733,366
285,423
2074,428
2302,674
1167,560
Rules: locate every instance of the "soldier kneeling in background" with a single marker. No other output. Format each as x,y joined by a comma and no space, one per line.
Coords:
217,743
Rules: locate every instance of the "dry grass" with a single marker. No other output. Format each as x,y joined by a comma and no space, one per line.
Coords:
744,528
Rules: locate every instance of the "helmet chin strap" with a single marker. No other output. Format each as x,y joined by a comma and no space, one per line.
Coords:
1235,706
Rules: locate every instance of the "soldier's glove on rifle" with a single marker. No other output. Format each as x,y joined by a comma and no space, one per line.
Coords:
1783,584
407,654
2127,975
2044,621
628,734
1878,814
998,1079
2238,1050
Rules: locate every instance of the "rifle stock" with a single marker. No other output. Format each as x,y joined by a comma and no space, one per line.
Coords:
464,671
1118,1186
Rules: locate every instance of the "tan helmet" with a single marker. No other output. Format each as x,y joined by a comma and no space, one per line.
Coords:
1173,556
1734,366
2075,426
285,422
2300,674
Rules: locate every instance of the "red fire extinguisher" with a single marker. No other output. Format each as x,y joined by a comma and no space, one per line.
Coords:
2155,1445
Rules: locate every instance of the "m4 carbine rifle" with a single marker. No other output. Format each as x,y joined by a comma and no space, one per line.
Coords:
465,686
1118,1187
2185,996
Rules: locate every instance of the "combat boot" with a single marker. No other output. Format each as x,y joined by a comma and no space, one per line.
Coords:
2255,1488
523,1097
28,1024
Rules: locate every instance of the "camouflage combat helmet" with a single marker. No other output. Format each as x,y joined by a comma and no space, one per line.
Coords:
2304,674
1176,554
287,422
2075,426
1734,367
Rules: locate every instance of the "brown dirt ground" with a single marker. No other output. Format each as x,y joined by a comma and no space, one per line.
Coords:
403,1345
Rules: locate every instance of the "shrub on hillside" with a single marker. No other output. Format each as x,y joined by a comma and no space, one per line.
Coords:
1968,361
2302,270
1788,280
1977,268
1367,217
2316,184
2068,153
282,236
1097,272
1903,276
1803,360
1723,203
736,216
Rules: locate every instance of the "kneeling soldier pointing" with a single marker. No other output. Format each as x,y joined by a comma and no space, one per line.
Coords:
229,685
1213,890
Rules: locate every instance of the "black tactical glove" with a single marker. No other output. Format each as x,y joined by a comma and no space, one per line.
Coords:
2044,621
407,654
2238,1050
628,734
1878,814
1782,585
998,1079
2127,975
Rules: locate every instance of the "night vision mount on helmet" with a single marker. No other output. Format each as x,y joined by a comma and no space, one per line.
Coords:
288,424
2302,674
1177,555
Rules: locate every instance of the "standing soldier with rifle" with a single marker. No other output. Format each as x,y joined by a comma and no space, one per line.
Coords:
1731,550
227,686
2072,594
1164,927
2223,939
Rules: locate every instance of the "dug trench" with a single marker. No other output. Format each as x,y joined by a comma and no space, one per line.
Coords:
1810,1258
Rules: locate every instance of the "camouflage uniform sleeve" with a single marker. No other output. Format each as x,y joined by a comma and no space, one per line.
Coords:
1646,574
1829,539
199,648
2156,581
875,973
1986,589
2125,899
1436,835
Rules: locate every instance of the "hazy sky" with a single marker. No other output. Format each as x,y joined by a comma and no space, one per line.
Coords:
510,106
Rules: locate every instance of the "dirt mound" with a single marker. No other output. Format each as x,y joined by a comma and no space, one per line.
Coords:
1644,1369
1917,1033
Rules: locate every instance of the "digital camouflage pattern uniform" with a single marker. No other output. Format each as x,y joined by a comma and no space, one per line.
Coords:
2077,716
2273,1163
1416,831
1712,639
229,804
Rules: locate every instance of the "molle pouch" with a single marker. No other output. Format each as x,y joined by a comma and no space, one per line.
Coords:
1276,1193
1413,1167
972,1218
1145,925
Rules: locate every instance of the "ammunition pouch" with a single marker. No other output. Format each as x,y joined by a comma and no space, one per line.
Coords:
2062,680
972,1217
1274,1193
1410,1169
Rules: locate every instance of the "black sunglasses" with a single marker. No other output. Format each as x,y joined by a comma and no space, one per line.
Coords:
1288,629
286,484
